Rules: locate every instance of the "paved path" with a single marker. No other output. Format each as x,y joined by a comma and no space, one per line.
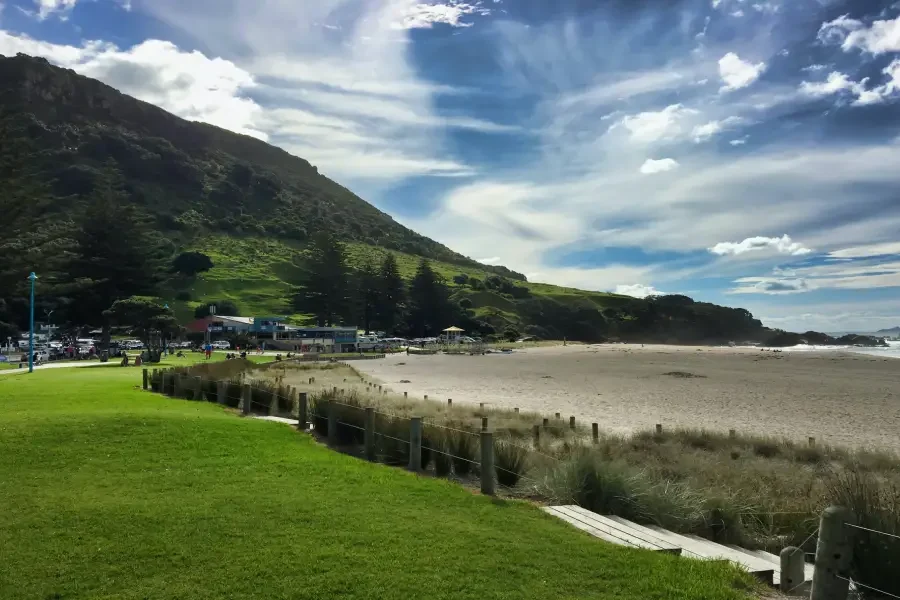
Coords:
60,365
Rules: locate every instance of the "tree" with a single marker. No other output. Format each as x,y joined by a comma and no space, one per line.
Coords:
511,334
324,288
191,263
367,294
116,256
223,307
148,319
391,296
429,302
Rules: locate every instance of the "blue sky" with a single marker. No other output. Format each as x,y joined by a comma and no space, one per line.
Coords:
742,152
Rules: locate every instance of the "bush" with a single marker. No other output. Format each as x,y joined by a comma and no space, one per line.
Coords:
191,263
511,334
509,462
462,447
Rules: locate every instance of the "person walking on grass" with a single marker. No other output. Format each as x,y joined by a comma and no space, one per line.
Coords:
208,350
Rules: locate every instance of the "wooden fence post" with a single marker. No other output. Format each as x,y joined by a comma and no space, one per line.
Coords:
370,433
659,429
178,391
221,392
415,444
487,463
732,434
793,562
516,409
537,436
332,422
834,555
571,422
546,423
146,379
406,394
198,388
246,397
302,410
484,423
164,383
557,416
595,433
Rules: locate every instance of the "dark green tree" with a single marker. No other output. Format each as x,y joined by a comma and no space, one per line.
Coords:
116,256
149,320
324,289
391,295
429,302
191,263
367,295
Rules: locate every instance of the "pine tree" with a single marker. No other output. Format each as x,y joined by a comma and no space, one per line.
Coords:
391,296
324,290
367,295
429,302
116,256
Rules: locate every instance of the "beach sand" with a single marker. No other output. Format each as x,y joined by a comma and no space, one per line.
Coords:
840,398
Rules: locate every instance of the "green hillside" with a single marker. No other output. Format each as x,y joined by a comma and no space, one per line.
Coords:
67,141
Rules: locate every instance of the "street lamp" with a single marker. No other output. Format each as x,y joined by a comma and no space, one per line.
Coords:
31,277
162,334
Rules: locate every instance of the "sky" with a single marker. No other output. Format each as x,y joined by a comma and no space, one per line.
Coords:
743,152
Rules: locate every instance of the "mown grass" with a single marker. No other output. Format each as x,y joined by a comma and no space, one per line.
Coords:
112,492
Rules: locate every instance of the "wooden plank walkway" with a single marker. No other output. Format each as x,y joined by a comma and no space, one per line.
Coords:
616,530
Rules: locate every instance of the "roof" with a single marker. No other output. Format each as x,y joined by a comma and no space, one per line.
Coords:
244,320
454,329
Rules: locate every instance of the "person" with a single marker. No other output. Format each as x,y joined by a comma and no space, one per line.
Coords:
208,350
124,359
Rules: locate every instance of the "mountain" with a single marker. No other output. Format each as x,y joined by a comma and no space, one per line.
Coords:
894,331
251,207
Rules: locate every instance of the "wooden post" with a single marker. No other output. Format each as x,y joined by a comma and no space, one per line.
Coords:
484,423
198,388
415,444
595,433
481,407
379,388
812,442
793,562
426,396
302,408
334,390
732,433
332,422
165,384
516,409
557,416
246,393
449,401
310,381
546,422
221,391
659,429
146,379
487,463
370,433
571,422
537,435
177,391
406,394
834,555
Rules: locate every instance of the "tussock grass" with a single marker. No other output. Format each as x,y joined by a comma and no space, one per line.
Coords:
510,460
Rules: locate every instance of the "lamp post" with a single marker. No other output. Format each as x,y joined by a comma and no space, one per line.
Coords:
163,335
31,277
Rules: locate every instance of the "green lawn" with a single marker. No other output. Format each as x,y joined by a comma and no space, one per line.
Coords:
111,492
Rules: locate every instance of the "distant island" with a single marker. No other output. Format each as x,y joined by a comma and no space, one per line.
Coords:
894,331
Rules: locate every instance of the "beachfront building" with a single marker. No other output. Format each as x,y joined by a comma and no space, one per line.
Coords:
221,324
327,340
453,335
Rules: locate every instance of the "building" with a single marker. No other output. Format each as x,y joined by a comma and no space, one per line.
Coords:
276,334
221,325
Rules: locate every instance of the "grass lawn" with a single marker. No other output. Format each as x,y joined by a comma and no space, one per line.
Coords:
111,492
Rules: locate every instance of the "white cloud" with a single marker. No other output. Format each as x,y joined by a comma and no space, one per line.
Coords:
493,260
772,286
737,13
702,133
737,73
424,16
651,166
783,245
739,141
45,8
866,251
637,290
814,68
652,126
879,38
837,83
766,7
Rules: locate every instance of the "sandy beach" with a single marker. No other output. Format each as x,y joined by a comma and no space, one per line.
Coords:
839,397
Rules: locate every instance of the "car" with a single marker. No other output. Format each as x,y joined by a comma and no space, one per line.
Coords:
221,345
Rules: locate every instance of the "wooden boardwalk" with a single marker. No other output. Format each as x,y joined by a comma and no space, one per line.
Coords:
616,530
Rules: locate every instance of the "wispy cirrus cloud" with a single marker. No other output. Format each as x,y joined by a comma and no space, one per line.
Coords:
421,15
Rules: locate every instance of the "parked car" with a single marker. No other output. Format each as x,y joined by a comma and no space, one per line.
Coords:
221,345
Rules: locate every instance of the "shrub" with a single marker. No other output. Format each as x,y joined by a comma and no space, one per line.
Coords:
509,462
436,438
191,263
462,447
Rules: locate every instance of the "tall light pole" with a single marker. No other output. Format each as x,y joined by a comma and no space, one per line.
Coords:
163,335
31,277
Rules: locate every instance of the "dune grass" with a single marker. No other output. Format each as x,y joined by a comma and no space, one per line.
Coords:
112,492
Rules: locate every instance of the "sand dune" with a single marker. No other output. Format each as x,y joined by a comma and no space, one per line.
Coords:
840,398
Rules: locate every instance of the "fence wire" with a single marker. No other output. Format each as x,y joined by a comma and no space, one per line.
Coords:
868,587
873,530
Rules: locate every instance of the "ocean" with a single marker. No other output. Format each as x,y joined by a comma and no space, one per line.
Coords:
892,351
